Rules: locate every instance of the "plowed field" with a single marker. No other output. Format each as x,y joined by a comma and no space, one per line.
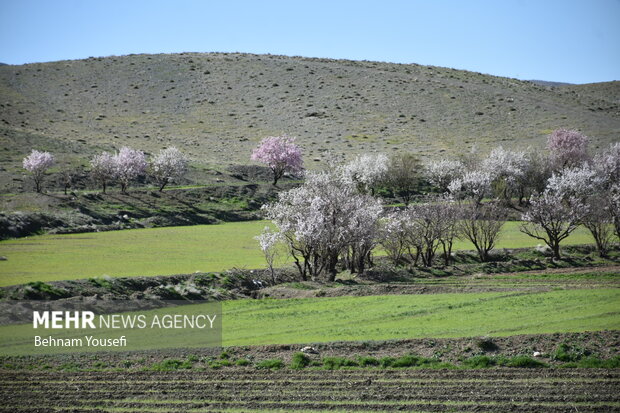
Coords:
240,390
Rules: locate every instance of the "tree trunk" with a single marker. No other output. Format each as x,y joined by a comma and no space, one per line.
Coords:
556,250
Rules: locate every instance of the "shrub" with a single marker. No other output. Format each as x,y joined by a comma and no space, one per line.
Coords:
272,364
368,361
334,363
242,362
218,364
486,344
594,363
299,361
406,361
479,362
386,361
568,353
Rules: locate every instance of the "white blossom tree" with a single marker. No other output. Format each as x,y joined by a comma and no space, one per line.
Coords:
269,241
393,235
129,164
168,165
578,182
441,173
474,185
506,169
37,163
103,169
552,218
321,220
365,171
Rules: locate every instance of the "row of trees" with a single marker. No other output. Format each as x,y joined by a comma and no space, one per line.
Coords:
279,153
123,167
334,218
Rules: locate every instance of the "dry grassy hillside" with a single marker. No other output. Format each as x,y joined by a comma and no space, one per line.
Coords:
216,107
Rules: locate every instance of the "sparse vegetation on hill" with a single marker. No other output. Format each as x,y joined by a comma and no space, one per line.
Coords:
216,107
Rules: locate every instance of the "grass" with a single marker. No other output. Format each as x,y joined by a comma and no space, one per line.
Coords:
311,320
164,251
248,322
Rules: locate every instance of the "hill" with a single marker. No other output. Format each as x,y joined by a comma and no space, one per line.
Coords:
217,106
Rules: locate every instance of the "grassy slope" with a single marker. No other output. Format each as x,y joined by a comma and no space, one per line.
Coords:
215,107
258,322
162,251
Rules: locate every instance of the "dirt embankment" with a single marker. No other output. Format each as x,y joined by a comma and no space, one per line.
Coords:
29,213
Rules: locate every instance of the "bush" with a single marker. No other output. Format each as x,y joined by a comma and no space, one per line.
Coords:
594,363
479,362
406,361
299,361
386,361
486,344
242,362
218,364
272,364
568,353
334,363
368,361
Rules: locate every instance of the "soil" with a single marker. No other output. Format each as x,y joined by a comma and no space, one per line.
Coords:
506,390
601,344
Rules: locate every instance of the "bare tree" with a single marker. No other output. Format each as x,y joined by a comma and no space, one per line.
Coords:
482,225
393,235
268,241
598,221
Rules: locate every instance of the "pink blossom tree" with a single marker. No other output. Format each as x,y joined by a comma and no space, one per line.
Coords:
103,169
280,154
129,164
37,163
567,148
168,165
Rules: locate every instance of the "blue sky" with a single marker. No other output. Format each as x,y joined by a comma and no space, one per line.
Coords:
568,41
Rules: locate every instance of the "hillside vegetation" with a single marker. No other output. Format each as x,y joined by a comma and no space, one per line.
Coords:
216,107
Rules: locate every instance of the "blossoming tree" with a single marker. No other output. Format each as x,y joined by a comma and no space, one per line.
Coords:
129,164
37,163
280,154
168,165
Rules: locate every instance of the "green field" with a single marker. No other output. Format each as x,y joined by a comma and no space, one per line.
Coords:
248,322
164,251
259,322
